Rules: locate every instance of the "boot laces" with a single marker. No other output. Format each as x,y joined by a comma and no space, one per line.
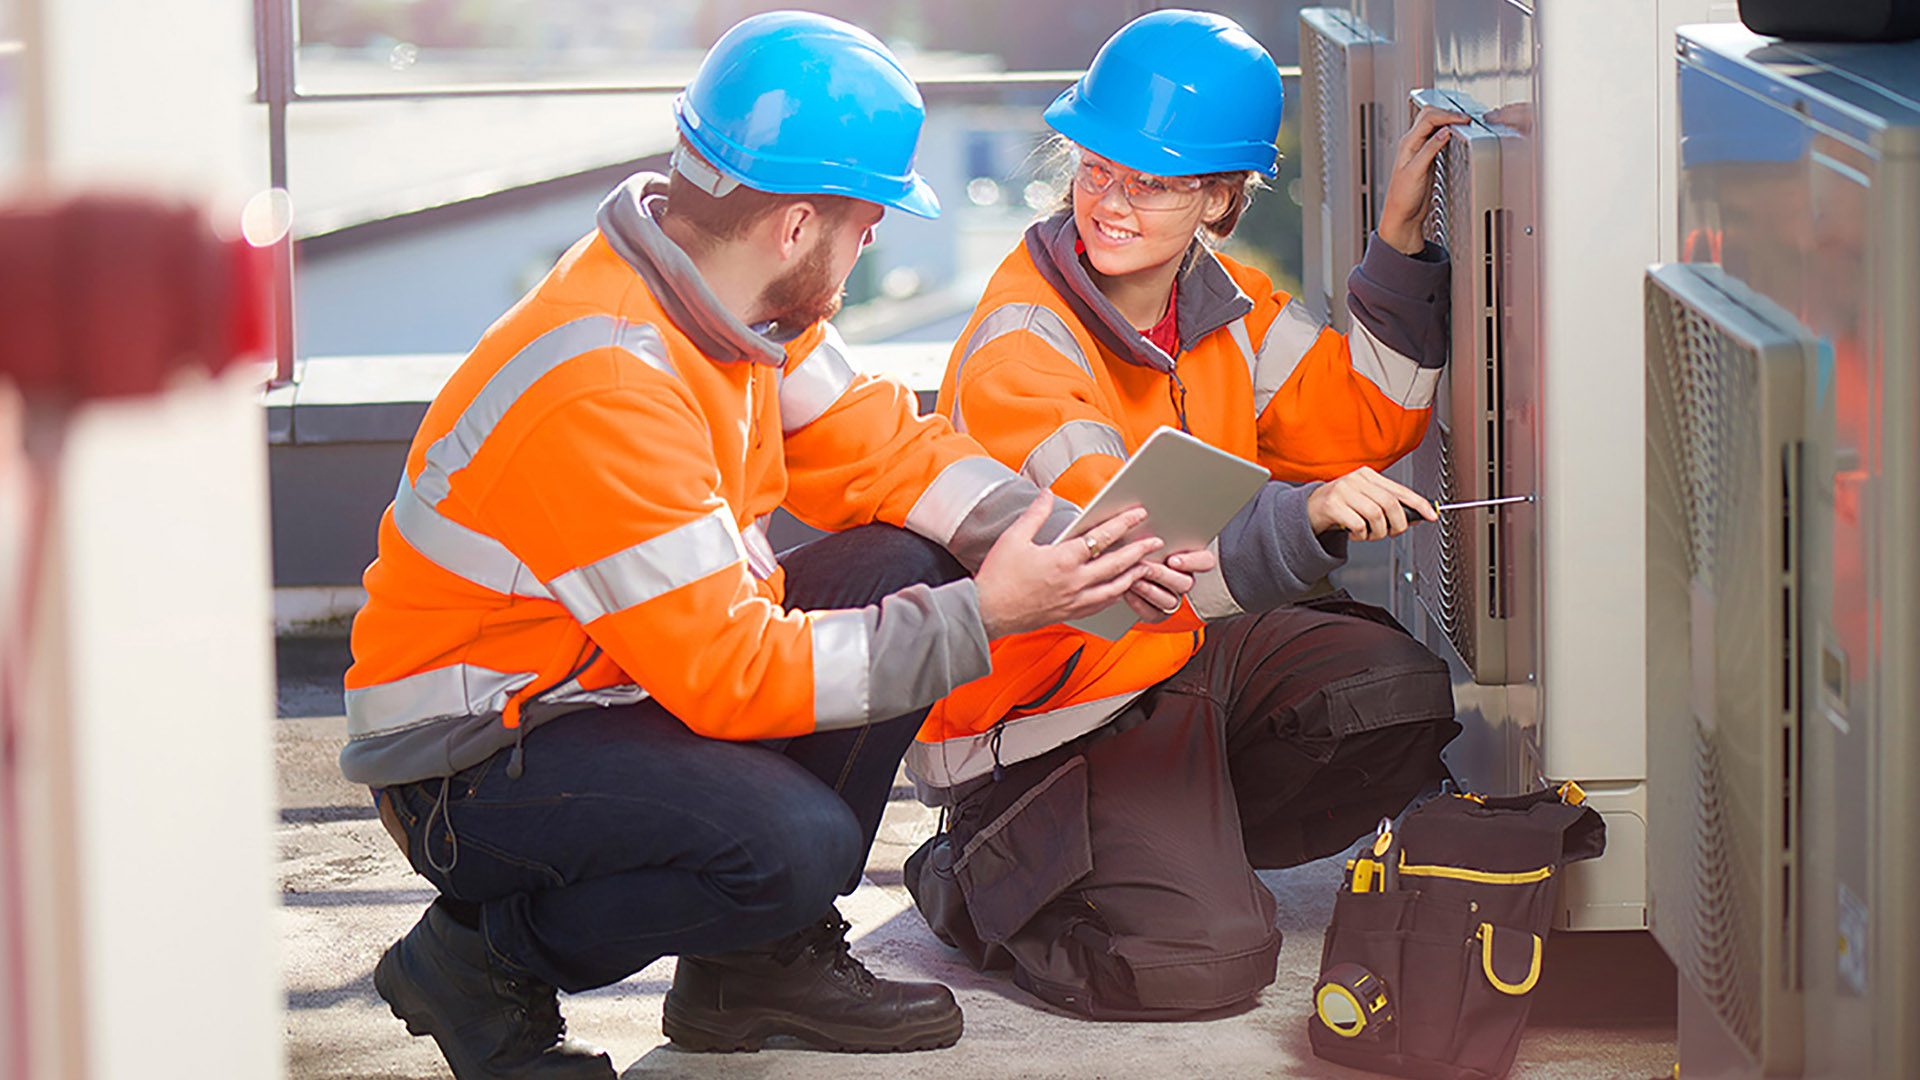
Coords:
539,1006
828,938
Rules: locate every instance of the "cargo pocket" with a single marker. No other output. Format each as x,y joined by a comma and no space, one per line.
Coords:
1433,970
1034,851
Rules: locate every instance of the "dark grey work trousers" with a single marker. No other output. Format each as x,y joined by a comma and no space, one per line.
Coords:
1115,874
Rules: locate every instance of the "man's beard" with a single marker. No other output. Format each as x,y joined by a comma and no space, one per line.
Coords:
805,294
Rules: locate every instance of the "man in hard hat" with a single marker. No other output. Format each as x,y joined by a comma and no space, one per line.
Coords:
600,714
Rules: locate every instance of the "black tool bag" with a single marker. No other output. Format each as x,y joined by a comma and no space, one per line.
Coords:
1429,965
1833,20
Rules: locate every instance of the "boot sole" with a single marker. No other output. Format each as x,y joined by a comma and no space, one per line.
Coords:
707,1032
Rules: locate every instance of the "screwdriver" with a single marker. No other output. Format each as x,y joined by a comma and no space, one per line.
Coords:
1508,500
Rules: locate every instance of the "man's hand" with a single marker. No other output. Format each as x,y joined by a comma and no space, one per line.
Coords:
1024,586
1156,597
1367,505
1407,190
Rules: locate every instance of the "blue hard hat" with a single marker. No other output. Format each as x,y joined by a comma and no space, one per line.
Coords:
1177,93
800,104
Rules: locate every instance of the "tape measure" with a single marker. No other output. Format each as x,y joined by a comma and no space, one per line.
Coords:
1352,1002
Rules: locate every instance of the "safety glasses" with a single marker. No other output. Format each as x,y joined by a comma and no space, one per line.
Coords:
1143,191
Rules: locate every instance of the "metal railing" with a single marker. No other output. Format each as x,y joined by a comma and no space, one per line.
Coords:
276,41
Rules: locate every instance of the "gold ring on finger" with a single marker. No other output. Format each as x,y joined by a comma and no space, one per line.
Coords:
1093,546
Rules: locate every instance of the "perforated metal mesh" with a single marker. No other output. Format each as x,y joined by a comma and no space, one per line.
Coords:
1329,74
1441,553
1713,383
1447,175
1705,429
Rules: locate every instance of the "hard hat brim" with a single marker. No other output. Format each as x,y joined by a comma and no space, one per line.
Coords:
910,194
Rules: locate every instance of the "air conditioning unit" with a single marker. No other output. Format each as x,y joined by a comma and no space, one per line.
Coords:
1800,177
1727,375
1337,136
1463,570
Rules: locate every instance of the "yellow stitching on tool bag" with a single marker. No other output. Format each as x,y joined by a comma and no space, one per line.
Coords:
1484,877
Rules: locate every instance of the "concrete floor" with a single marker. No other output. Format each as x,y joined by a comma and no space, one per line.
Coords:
346,893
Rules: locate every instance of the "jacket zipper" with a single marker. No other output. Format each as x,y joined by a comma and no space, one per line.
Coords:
1000,725
1177,392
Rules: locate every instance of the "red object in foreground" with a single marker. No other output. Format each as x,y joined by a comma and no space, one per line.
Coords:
108,296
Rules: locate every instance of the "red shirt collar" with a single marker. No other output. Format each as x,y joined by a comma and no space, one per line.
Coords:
1166,332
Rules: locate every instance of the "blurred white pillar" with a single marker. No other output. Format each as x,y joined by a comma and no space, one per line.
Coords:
149,807
147,785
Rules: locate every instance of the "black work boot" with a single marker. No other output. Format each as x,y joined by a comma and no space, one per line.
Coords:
806,985
490,1023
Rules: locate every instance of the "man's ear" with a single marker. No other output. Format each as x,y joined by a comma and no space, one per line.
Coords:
794,225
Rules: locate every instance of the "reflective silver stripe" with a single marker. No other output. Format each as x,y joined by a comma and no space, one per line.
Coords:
460,551
1043,322
944,506
815,383
760,557
1069,443
1288,341
458,690
572,693
1210,597
1404,381
455,450
1240,337
454,547
650,569
841,671
955,761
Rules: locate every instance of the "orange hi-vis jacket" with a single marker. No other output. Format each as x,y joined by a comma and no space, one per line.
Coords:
581,522
1054,382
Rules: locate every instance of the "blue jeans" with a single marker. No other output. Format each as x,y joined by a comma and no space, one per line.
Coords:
627,837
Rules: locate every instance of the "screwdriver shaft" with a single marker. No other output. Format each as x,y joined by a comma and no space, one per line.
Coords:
1475,503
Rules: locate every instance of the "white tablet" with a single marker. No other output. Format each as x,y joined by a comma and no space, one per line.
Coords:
1190,491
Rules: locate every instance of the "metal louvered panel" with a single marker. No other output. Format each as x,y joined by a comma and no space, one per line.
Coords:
1462,570
1726,373
1337,159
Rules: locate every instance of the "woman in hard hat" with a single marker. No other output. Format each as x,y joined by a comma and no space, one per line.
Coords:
1109,801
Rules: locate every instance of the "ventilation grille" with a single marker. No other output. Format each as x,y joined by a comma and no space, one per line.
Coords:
1329,73
1363,134
1461,563
1445,168
1493,409
1724,956
1336,51
1330,80
1440,554
1723,425
1703,388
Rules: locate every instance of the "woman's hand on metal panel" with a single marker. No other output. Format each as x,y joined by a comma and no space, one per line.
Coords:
1411,185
